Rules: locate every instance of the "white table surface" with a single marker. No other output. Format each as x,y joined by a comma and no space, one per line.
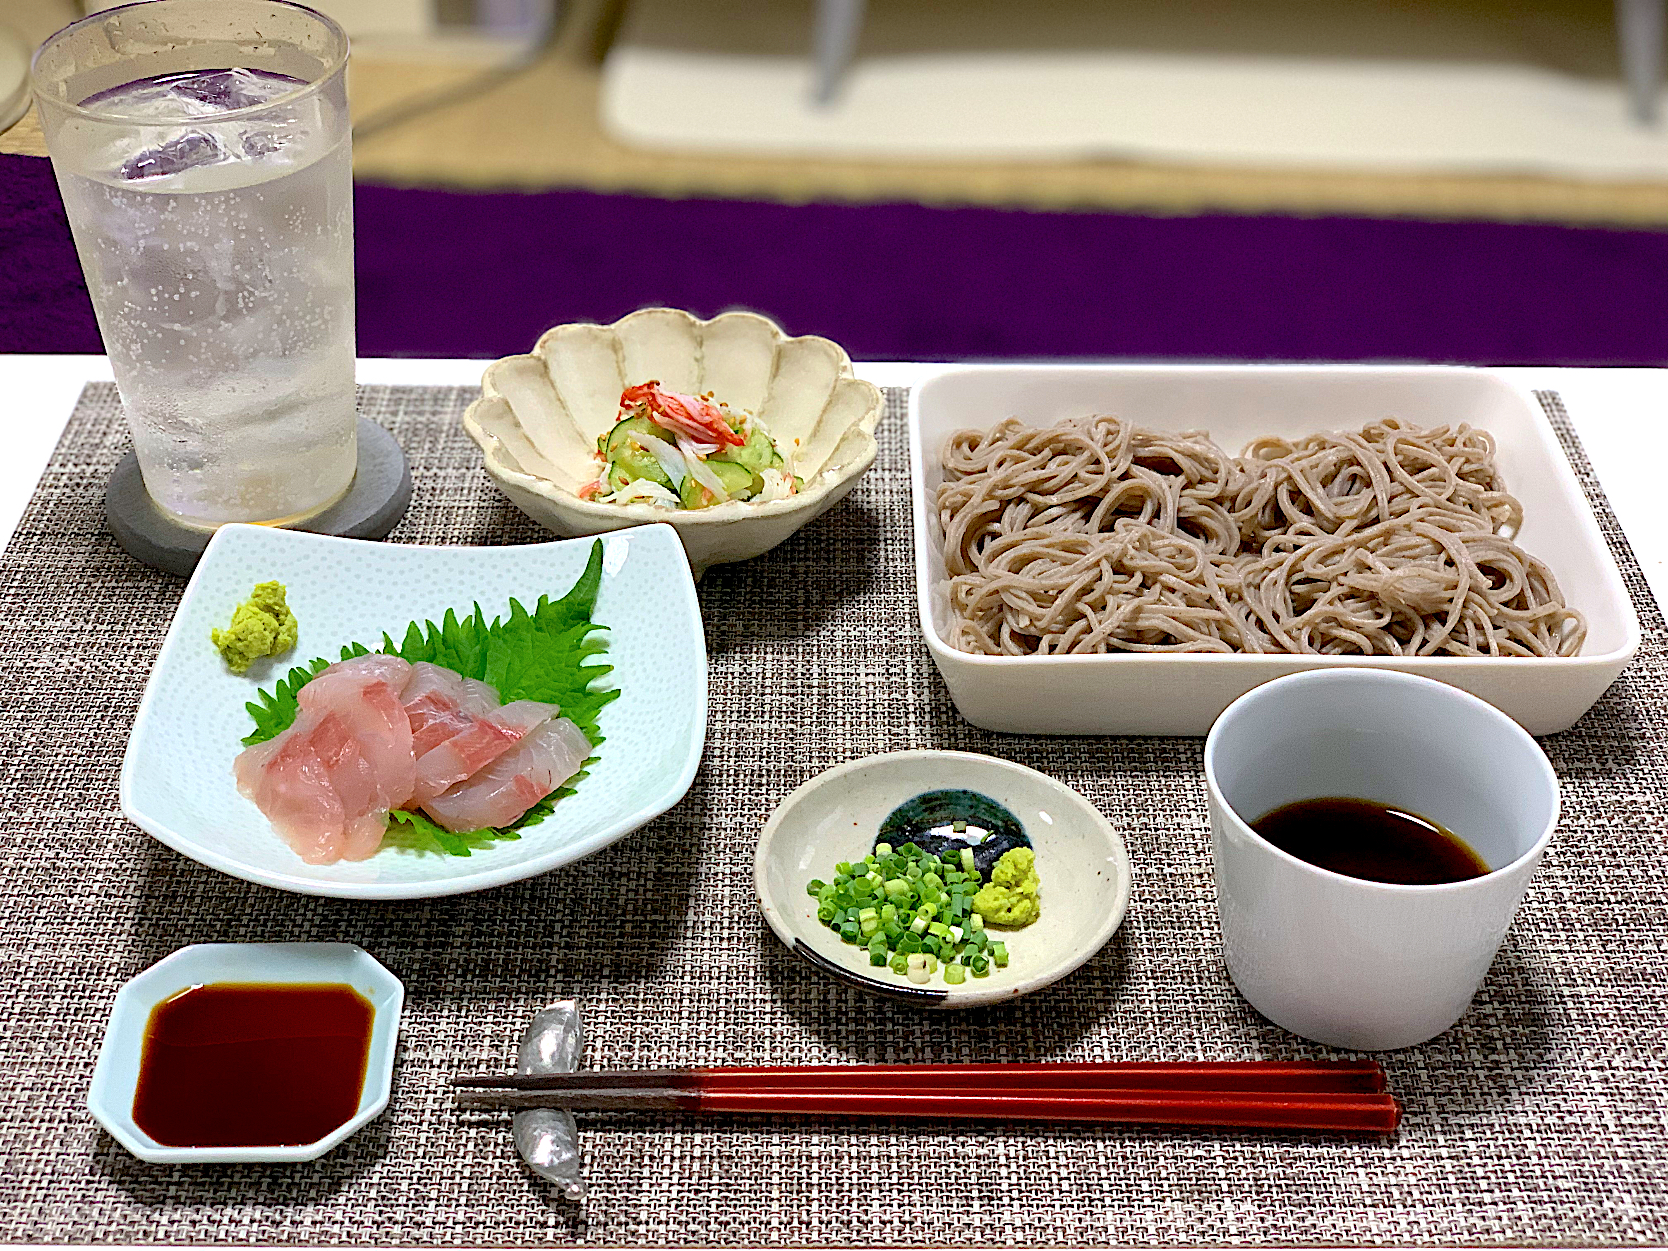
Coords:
1621,416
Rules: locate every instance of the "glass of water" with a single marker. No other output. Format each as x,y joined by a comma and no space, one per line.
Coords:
202,149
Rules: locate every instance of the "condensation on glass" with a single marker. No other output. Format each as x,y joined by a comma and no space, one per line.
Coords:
202,148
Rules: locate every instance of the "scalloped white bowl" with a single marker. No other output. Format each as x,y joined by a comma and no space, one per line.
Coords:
540,414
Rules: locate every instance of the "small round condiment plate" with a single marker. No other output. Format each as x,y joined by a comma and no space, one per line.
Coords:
835,816
116,1076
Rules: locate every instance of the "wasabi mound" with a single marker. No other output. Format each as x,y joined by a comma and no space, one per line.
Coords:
1011,899
262,625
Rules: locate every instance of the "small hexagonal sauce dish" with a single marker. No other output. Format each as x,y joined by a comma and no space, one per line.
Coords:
960,808
152,1073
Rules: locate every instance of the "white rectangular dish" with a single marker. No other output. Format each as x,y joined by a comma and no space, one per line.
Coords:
1182,693
177,782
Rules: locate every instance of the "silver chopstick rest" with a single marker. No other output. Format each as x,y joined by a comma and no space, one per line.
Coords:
547,1138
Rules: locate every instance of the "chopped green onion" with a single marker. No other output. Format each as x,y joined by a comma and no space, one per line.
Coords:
999,953
910,911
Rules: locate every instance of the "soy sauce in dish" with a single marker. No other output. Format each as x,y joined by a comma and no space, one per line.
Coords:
236,1064
1372,841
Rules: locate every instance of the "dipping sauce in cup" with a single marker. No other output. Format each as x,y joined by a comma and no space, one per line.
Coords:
1378,842
1343,960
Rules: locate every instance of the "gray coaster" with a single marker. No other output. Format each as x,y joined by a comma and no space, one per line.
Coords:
372,507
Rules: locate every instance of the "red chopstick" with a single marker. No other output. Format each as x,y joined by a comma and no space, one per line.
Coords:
1345,1111
1251,1076
1338,1095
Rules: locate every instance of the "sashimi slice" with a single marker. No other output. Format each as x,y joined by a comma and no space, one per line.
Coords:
285,778
328,781
500,793
458,727
473,749
369,748
440,703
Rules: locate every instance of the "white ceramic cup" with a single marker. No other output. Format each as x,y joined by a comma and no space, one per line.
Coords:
1370,965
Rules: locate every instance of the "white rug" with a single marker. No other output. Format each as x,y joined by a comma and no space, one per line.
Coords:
14,77
1454,86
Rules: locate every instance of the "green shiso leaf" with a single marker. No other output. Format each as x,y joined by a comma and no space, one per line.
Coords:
550,655
274,713
415,831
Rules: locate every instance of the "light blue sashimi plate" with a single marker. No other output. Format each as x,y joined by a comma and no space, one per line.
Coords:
177,774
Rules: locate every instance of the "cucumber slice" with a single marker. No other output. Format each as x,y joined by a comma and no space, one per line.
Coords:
636,463
627,457
757,453
628,468
737,479
637,425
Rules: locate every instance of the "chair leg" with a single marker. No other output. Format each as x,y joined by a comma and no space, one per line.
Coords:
839,22
1639,32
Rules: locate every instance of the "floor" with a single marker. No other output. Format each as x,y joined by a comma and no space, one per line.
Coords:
534,125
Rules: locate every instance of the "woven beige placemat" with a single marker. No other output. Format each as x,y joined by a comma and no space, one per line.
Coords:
1542,1118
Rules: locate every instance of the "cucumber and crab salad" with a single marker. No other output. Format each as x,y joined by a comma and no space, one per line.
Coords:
686,451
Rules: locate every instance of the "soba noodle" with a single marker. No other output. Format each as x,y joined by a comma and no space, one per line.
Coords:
1094,535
